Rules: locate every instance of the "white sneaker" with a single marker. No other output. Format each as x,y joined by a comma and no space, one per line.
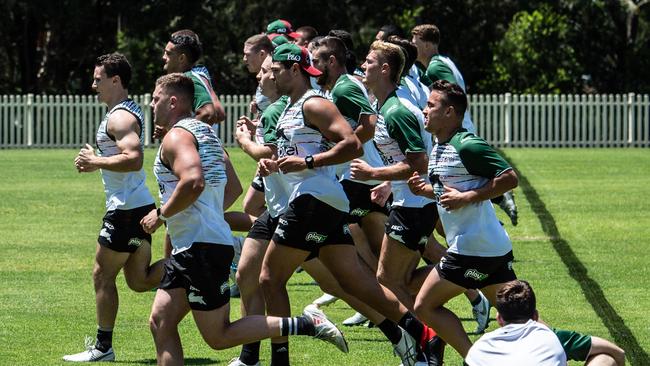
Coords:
356,319
325,300
481,312
325,329
236,362
510,207
406,349
91,354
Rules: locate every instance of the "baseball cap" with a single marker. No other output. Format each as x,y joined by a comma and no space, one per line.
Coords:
278,39
295,53
281,26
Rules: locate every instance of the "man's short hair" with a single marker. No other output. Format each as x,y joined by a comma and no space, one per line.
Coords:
308,32
260,42
391,30
409,49
392,55
178,85
116,64
427,32
188,43
344,35
334,47
516,302
452,95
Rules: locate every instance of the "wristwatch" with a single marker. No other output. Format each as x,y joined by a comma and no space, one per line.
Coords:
309,160
160,215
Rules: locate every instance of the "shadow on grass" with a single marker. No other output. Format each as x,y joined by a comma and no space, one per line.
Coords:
623,336
188,361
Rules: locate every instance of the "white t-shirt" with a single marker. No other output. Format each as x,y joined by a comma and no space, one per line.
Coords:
531,343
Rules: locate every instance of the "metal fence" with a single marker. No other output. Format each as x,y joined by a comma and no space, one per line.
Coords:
505,120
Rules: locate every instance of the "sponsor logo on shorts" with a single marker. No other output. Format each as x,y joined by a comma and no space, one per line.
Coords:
510,266
475,275
397,237
423,240
224,287
397,227
282,222
359,212
346,229
109,225
192,288
192,297
105,234
315,237
136,242
280,232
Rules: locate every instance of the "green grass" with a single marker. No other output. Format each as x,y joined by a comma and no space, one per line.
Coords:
584,229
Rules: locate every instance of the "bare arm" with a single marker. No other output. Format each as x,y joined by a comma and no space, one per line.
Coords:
414,162
244,137
366,129
206,113
453,199
233,187
123,126
603,346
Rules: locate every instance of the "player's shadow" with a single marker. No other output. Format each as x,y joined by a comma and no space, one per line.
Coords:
188,361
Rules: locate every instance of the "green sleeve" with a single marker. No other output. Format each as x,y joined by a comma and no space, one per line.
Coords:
351,102
270,119
201,94
576,345
438,70
478,156
403,126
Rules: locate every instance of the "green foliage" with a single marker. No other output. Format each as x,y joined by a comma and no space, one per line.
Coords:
535,56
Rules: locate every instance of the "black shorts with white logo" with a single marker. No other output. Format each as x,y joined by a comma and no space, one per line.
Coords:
203,272
476,272
121,230
263,227
258,184
309,224
360,204
411,226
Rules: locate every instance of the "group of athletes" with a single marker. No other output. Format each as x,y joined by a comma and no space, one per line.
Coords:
358,165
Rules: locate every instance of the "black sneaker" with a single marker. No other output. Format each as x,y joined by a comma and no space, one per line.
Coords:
434,350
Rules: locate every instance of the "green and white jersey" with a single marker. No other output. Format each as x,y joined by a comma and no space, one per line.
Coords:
467,162
201,93
276,191
400,130
297,137
202,221
124,190
350,97
418,93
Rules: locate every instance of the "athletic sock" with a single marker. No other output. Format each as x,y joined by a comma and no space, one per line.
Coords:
412,326
390,330
296,326
250,353
280,354
104,339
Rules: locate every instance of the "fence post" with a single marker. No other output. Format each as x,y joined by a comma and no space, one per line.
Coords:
29,113
507,103
147,119
630,118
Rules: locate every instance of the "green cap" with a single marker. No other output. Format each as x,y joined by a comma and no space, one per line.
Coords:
281,26
295,53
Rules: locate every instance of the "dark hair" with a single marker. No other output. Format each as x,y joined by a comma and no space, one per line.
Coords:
179,85
116,64
335,47
453,95
391,30
410,52
308,32
260,42
427,32
343,35
516,302
288,64
188,43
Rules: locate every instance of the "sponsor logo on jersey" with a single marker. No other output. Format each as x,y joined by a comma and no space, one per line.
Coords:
475,275
192,297
315,237
136,242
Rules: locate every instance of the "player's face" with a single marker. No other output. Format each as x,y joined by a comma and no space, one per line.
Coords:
320,62
267,85
435,113
171,59
160,104
101,84
281,76
253,59
301,41
372,68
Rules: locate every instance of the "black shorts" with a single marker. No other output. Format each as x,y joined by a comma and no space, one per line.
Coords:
412,226
476,272
309,224
203,272
263,227
121,230
360,204
258,184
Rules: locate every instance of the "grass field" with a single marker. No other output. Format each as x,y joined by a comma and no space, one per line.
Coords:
581,242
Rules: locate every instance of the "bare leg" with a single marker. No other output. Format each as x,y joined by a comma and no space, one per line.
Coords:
239,221
139,275
169,308
396,266
107,265
254,203
248,274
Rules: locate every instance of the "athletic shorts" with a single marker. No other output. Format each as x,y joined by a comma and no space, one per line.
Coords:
121,230
258,184
576,346
310,224
473,272
263,227
412,226
203,272
360,204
